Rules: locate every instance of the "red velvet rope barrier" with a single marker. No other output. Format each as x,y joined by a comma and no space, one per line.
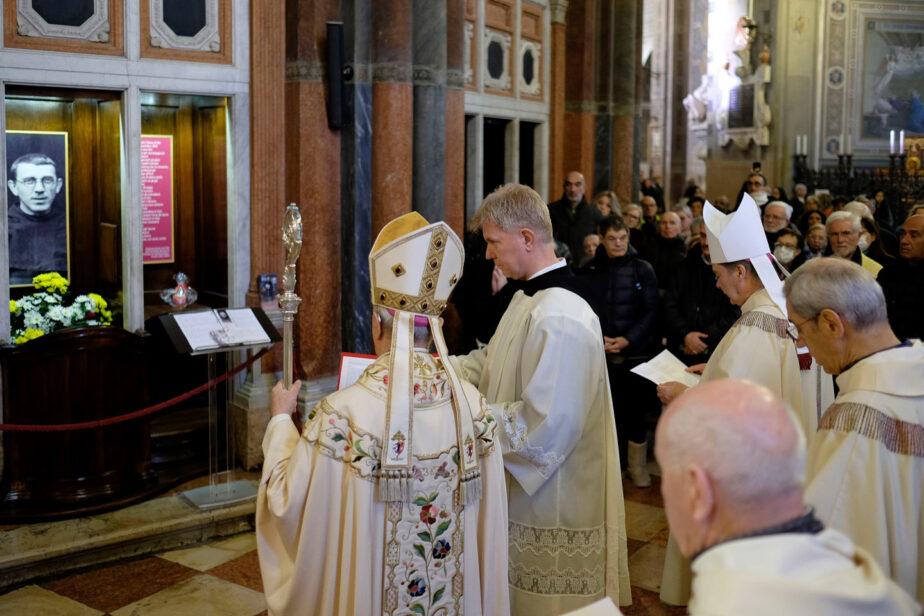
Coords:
129,416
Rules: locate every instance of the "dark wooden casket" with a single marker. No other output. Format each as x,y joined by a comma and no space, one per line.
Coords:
72,376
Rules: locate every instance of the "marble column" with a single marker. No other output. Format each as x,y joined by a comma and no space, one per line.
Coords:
559,10
604,83
455,116
429,73
579,122
624,106
356,178
248,411
312,181
267,159
392,111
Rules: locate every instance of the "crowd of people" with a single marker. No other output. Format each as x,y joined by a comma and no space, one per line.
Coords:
489,481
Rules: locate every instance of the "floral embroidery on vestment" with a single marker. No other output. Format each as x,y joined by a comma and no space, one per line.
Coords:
431,385
336,437
485,429
423,543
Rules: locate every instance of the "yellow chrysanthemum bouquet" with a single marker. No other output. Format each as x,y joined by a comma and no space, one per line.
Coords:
45,310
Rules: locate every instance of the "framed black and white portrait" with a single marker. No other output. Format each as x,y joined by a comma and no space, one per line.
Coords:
37,204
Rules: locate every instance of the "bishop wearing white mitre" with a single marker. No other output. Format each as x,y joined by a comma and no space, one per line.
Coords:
392,499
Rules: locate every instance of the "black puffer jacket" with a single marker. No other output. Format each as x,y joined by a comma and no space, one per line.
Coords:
624,294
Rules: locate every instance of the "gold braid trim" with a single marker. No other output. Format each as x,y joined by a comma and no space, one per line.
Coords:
423,302
898,436
765,322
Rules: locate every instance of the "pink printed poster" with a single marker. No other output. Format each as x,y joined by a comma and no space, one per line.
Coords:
157,198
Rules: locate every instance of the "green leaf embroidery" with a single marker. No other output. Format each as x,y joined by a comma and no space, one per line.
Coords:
433,497
439,594
442,528
418,609
455,457
425,536
420,501
420,550
338,437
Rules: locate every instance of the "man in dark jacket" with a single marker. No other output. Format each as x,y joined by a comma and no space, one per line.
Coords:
573,218
623,291
902,281
696,313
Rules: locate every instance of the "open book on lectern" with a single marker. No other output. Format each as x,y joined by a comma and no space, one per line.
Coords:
210,330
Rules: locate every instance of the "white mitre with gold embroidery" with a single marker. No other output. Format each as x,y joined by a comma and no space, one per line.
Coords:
414,266
739,236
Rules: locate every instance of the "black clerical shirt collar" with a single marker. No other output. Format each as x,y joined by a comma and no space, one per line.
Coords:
806,523
559,276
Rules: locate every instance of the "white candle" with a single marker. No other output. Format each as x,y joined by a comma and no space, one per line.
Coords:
797,145
847,147
805,144
840,144
891,142
901,142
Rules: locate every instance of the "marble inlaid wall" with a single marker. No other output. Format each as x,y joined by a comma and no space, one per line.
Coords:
429,53
356,179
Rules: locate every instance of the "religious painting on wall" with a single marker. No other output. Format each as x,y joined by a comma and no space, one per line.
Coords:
37,204
893,77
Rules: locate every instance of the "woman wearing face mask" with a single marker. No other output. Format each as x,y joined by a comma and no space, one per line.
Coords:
871,242
788,249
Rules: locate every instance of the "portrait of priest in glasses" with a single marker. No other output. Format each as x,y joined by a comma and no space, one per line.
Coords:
37,218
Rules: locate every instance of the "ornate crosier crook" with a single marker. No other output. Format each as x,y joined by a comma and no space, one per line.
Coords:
288,301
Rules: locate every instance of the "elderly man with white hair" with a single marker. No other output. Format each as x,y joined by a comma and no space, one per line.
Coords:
738,512
844,237
775,218
866,462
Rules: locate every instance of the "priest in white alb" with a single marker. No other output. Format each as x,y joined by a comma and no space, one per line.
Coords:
738,512
760,346
544,371
392,500
866,463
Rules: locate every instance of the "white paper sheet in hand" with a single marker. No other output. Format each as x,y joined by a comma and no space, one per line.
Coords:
665,367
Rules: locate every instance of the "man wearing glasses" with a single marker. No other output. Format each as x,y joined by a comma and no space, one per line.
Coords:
865,466
37,223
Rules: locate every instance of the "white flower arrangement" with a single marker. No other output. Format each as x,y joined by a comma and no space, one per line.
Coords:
44,312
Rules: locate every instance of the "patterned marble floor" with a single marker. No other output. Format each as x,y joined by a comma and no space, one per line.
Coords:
223,577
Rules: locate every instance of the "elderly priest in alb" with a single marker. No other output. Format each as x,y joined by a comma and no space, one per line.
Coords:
392,499
866,463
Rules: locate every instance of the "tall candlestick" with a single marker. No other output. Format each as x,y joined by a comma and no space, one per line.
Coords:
891,142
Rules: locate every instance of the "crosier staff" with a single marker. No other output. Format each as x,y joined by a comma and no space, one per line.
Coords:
288,301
